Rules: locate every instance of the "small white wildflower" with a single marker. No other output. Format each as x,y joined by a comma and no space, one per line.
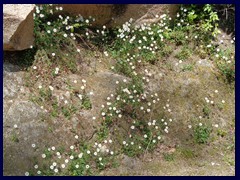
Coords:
53,148
200,124
80,155
56,170
15,126
43,155
26,173
34,67
72,147
189,126
77,166
223,101
88,152
65,35
33,145
71,157
66,160
87,166
51,88
36,166
145,136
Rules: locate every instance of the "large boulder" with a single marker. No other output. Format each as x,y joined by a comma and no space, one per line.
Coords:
18,26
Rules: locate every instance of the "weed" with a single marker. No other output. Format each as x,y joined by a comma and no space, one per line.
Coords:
184,54
202,134
168,156
188,67
15,138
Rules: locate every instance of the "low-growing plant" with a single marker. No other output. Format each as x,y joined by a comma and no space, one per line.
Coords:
202,133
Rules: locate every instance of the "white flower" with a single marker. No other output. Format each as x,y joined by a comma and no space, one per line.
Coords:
48,23
223,101
78,50
110,141
105,53
60,8
132,127
87,21
124,142
72,147
54,30
63,166
88,152
51,167
41,15
33,145
34,67
77,166
39,172
66,160
189,126
216,91
216,125
65,35
54,164
159,137
200,124
53,148
56,170
71,157
100,158
80,155
26,173
43,155
111,152
15,126
75,81
53,54
51,88
145,136
95,153
87,166
58,153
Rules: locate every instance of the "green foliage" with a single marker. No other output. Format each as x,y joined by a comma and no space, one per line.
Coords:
15,138
188,67
206,111
184,54
202,134
86,103
168,156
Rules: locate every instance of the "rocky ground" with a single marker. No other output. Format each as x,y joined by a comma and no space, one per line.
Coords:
28,130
